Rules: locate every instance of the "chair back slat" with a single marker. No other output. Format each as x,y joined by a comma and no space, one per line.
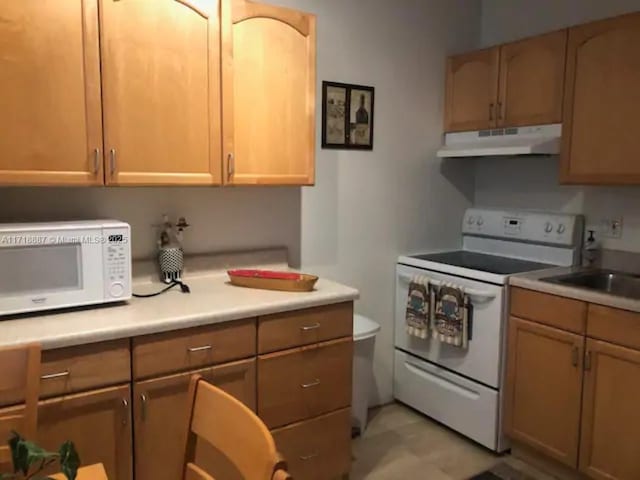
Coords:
194,472
233,429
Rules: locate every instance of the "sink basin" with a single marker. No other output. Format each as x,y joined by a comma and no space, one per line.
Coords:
613,283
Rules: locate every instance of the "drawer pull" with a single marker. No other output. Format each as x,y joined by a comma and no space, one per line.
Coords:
312,384
143,411
308,457
51,376
310,327
199,349
125,408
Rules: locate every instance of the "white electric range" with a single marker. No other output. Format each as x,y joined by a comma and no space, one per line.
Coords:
462,388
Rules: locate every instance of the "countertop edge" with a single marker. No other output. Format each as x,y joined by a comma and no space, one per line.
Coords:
187,321
575,293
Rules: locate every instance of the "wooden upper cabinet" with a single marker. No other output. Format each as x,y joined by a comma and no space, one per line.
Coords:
50,121
543,389
610,421
161,91
472,90
269,84
532,80
601,103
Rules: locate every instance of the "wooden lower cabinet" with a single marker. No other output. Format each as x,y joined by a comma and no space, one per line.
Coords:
544,385
317,449
304,382
160,418
99,424
610,440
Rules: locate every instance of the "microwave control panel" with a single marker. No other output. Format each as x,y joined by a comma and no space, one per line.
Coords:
117,256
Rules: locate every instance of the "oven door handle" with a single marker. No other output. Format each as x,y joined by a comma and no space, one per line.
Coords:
472,292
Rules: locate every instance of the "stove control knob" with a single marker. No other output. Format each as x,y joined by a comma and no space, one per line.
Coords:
480,221
470,220
561,229
548,228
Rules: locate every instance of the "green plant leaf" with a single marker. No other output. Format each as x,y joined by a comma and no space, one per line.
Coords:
14,440
69,460
25,454
37,455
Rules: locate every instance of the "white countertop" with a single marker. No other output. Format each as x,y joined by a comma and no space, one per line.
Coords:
532,281
212,300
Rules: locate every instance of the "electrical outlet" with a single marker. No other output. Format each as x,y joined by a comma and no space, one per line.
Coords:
612,227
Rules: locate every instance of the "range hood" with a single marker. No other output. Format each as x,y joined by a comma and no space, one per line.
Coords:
535,140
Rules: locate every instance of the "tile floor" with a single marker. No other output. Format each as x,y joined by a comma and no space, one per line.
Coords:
399,443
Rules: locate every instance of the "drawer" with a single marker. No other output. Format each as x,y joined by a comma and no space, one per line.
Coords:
614,325
560,312
317,449
304,327
305,382
193,348
80,368
465,406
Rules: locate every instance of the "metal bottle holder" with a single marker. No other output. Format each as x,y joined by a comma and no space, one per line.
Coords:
171,260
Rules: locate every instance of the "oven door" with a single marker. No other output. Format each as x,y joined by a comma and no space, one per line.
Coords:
47,269
481,361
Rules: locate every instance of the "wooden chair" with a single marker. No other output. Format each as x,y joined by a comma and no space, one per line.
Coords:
20,379
233,429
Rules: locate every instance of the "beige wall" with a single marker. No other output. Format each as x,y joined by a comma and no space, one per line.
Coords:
532,182
367,207
221,218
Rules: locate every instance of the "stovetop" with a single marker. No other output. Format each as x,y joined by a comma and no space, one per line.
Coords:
483,262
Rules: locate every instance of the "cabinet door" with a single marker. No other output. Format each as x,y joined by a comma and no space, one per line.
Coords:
160,407
532,80
544,384
472,90
601,103
161,81
269,83
609,446
50,93
98,422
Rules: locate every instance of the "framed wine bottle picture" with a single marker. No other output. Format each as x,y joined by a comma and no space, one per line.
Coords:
347,116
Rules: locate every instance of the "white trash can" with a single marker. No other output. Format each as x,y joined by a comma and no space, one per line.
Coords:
364,337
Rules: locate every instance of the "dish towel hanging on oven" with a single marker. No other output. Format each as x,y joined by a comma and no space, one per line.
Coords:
452,312
418,313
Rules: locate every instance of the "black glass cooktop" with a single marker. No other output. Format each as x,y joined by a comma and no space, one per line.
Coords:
484,262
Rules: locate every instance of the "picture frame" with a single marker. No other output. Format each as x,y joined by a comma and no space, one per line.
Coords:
347,116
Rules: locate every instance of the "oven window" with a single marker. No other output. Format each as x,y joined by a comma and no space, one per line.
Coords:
41,268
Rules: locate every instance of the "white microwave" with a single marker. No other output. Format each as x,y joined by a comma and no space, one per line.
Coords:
63,264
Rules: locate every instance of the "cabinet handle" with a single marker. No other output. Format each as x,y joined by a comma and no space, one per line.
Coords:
587,361
96,161
310,327
308,457
312,384
51,376
112,161
199,349
575,354
500,112
230,165
491,112
143,406
125,407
